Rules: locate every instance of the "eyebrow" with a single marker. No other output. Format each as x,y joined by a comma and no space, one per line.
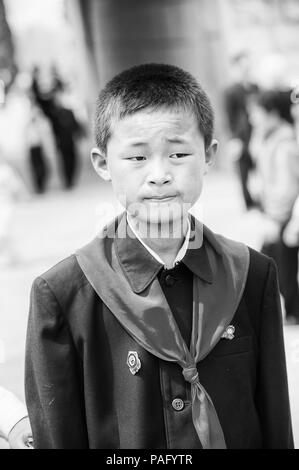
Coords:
176,140
137,144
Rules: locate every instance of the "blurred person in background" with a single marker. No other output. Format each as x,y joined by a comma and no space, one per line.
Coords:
43,87
295,110
12,188
14,422
235,100
14,115
67,129
35,133
53,99
276,151
291,232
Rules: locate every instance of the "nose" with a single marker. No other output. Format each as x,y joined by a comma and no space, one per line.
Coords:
158,174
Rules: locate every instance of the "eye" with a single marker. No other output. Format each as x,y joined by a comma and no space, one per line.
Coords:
179,155
138,158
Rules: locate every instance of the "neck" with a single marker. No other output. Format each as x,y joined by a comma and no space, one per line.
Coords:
166,240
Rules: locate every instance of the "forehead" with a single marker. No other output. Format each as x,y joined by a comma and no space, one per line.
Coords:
146,124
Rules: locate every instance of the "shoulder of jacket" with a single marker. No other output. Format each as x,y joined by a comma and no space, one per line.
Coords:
261,274
259,264
64,278
223,244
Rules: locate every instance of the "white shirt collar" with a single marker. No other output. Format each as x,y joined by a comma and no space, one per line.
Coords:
181,252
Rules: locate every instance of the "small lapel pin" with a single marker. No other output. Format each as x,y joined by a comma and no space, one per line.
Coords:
229,332
133,362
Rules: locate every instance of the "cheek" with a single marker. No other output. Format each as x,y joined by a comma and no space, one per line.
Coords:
118,175
195,188
124,183
191,181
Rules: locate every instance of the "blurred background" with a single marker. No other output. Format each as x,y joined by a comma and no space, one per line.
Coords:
55,55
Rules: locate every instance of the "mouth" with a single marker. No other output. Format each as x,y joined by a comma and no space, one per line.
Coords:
160,199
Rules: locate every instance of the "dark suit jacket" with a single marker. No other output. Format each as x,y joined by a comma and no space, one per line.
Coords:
81,394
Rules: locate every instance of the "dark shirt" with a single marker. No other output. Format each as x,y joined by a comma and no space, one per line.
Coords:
176,284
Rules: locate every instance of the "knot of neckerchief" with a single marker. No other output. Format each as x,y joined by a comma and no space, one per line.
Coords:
190,374
204,415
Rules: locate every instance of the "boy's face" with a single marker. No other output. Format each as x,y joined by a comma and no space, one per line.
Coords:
156,161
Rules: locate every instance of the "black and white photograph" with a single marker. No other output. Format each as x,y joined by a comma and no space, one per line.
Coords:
149,227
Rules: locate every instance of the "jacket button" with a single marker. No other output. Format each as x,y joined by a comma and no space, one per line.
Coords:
177,404
169,280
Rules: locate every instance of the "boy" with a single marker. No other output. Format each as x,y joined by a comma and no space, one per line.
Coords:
159,333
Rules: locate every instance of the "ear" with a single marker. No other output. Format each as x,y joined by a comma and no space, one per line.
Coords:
210,155
99,161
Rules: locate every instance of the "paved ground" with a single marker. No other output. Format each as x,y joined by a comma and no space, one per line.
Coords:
50,227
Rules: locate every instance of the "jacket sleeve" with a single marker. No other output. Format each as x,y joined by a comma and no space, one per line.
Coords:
272,388
53,389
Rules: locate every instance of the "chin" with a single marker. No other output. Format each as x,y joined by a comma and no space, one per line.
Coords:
164,214
159,213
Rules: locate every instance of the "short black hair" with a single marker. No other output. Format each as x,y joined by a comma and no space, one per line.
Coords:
278,101
151,86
